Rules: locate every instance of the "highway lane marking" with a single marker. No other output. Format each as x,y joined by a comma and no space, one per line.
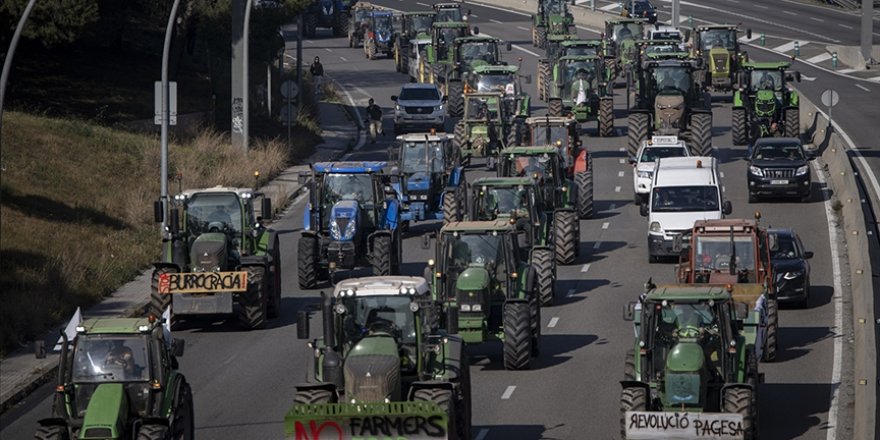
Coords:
846,26
722,174
818,59
610,7
844,71
424,4
620,173
621,149
483,432
606,225
518,47
584,28
509,11
523,28
790,45
622,160
343,59
310,42
553,321
617,189
863,88
723,188
473,15
508,392
597,245
790,13
875,79
328,49
229,359
499,22
585,268
817,19
762,6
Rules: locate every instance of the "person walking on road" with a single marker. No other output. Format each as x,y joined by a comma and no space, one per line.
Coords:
317,71
374,119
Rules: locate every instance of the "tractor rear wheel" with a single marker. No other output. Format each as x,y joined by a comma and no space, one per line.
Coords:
404,62
517,335
631,399
554,107
184,416
584,183
459,139
565,236
253,301
738,126
444,399
307,262
456,98
309,397
51,433
274,308
544,78
739,401
629,365
772,327
451,208
792,122
159,302
701,134
542,261
370,49
637,131
541,36
381,257
153,432
606,117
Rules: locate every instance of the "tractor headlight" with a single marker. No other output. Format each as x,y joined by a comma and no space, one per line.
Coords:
802,170
477,308
465,307
756,171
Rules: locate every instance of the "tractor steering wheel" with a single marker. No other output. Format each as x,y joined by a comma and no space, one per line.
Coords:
689,332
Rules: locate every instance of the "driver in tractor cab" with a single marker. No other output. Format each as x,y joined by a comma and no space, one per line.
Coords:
580,86
220,214
461,254
121,356
767,82
528,166
351,190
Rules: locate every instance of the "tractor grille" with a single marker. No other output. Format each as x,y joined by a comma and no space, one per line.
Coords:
779,172
765,108
419,110
342,223
98,433
372,378
720,61
208,255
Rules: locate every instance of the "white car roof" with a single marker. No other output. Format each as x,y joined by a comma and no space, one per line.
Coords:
684,171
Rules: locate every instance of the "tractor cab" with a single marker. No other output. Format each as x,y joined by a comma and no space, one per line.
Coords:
544,164
719,49
443,37
483,107
579,78
555,16
561,132
416,24
428,176
620,35
472,52
670,89
502,79
575,47
514,198
726,251
449,12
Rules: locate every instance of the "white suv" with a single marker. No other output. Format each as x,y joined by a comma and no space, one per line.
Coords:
643,162
419,106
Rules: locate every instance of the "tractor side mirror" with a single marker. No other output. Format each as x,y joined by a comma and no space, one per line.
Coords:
808,255
509,46
40,349
175,222
266,209
643,209
394,98
528,79
177,346
451,319
629,311
749,33
302,324
158,211
726,207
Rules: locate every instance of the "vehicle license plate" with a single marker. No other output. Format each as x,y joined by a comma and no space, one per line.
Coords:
779,182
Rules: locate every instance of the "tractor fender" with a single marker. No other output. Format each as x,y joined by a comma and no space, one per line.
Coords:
647,111
311,234
581,162
166,265
318,386
737,99
392,214
307,216
526,286
267,242
636,383
794,99
456,177
52,421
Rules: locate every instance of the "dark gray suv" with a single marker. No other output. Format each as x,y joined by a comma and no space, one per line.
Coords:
779,167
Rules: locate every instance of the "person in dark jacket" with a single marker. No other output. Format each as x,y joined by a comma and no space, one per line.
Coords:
374,119
317,71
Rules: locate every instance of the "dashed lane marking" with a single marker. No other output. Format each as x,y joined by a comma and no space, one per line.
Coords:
553,321
496,21
846,26
790,13
617,189
817,19
622,160
518,47
620,173
597,245
508,392
483,432
819,58
863,88
606,225
523,28
343,59
585,268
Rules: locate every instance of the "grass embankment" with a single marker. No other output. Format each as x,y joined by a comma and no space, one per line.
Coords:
76,217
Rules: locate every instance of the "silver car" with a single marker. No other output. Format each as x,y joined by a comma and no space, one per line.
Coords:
419,107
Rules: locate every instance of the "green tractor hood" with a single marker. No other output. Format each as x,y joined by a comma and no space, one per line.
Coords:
106,414
685,357
473,279
372,370
684,378
719,61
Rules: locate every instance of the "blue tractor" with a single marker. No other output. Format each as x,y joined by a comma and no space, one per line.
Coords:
351,221
429,178
332,14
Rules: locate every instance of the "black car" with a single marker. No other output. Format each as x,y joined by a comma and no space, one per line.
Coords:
779,167
640,9
790,266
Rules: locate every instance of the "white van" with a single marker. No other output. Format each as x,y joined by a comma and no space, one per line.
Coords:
684,190
645,159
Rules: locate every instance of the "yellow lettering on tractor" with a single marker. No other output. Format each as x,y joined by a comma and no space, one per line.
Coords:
202,282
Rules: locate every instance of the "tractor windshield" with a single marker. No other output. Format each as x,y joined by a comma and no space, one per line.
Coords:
338,187
539,167
448,15
445,37
481,107
684,199
724,38
480,249
382,26
714,252
504,83
362,15
478,51
666,36
422,23
554,7
494,201
765,80
626,31
654,153
676,316
549,135
580,80
421,157
110,358
672,78
218,212
365,314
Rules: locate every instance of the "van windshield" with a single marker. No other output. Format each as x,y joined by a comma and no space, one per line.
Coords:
684,199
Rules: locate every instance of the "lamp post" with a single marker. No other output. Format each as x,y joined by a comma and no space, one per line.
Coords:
169,30
7,64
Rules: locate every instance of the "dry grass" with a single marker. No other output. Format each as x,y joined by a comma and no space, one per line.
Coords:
76,217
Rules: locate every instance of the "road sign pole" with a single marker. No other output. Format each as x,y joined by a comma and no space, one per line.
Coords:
166,49
867,30
676,12
7,64
299,56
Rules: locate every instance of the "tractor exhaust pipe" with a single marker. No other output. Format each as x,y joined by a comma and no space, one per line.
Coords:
332,364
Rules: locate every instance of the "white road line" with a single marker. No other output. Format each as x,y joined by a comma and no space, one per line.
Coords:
875,79
622,149
723,188
722,174
473,15
310,42
597,245
508,392
328,49
789,13
863,88
523,28
483,432
819,58
817,19
789,46
553,321
499,22
733,1
508,10
846,26
518,47
620,173
606,225
585,268
584,28
761,6
622,160
844,71
617,189
610,7
424,4
343,59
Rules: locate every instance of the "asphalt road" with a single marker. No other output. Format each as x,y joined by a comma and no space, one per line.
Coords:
243,382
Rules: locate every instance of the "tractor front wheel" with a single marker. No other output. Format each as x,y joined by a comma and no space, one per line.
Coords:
51,433
792,122
631,399
543,80
584,183
606,117
253,301
739,401
738,126
541,36
451,208
542,261
517,335
381,257
629,365
159,302
701,134
307,264
310,397
637,131
456,99
445,400
153,432
772,327
565,236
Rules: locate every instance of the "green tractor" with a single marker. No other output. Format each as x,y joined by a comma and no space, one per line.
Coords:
693,359
467,53
559,46
764,105
118,379
219,253
520,201
485,128
553,18
384,368
439,61
670,101
505,79
483,277
413,26
621,51
718,47
580,86
546,164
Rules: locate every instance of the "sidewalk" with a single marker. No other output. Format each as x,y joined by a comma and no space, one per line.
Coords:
21,372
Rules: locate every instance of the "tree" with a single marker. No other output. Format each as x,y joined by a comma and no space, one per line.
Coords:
54,22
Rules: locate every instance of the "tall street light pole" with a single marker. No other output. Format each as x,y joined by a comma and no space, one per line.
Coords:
169,30
7,64
245,105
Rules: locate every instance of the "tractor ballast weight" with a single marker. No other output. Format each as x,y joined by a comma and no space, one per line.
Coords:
413,26
553,17
382,353
330,14
488,287
379,37
352,220
118,379
719,48
216,252
429,179
580,86
485,128
763,104
359,22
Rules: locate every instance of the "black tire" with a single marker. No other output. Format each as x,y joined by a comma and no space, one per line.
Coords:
544,80
459,136
153,432
772,327
274,308
381,256
456,98
701,134
404,62
511,137
606,117
184,415
51,433
370,50
340,25
738,126
565,236
739,401
542,261
307,262
254,301
584,203
534,35
637,131
517,335
350,39
631,399
541,33
451,208
629,365
554,107
792,122
158,303
309,397
445,400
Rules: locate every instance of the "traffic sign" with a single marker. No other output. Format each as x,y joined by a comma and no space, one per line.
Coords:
172,103
830,97
288,115
289,89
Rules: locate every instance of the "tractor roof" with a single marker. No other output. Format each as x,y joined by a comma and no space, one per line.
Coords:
579,58
349,167
687,293
530,150
543,121
218,189
481,226
578,43
502,181
671,63
363,5
447,5
717,26
420,137
475,39
726,224
418,13
381,286
776,65
115,325
499,69
487,95
450,24
381,13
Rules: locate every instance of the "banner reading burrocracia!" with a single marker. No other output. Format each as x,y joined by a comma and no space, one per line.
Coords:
199,282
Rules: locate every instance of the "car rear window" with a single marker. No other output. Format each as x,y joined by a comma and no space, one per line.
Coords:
419,95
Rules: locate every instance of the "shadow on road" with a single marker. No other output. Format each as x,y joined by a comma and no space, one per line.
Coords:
803,403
